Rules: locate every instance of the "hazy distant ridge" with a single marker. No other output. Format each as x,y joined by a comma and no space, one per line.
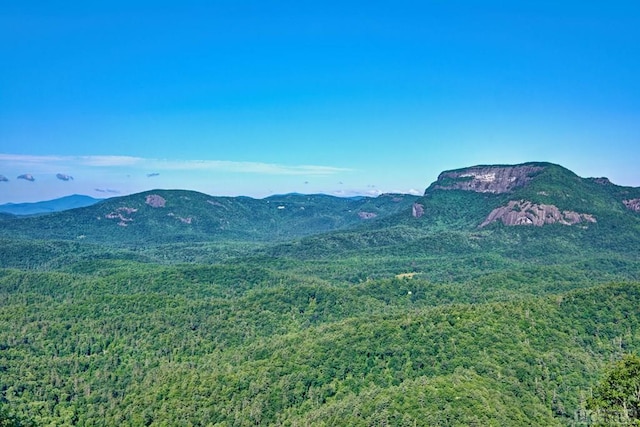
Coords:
49,206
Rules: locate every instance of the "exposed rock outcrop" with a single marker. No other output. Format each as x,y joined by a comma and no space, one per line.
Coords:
156,201
216,203
417,210
123,214
633,204
186,220
367,215
487,179
602,180
527,213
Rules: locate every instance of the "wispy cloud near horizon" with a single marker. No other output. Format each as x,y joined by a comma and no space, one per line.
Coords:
57,175
45,163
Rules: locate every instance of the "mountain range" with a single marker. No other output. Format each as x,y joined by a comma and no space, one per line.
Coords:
501,296
475,199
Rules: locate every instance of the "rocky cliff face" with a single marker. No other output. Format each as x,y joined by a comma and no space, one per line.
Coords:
487,179
633,204
527,213
417,210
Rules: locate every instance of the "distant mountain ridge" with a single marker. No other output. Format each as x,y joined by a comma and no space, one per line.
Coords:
165,216
48,206
485,197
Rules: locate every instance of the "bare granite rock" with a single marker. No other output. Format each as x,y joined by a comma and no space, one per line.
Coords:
633,204
216,203
156,201
123,214
417,210
487,179
367,215
527,213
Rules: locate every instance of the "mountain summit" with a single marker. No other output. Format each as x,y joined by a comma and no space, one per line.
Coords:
488,179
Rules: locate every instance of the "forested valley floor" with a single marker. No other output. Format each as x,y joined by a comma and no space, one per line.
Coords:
92,336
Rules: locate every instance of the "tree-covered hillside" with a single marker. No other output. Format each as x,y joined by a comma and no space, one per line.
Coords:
174,216
133,344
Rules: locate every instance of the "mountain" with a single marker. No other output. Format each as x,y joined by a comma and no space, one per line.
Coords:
478,203
165,216
528,194
55,205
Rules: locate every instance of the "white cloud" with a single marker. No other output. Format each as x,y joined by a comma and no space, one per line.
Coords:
20,159
355,192
45,162
371,191
53,164
64,177
244,167
106,161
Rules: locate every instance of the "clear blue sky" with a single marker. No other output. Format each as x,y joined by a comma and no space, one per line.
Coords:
342,97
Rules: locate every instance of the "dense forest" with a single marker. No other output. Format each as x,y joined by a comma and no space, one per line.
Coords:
396,320
127,343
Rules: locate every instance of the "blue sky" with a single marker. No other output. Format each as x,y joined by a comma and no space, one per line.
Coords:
349,97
